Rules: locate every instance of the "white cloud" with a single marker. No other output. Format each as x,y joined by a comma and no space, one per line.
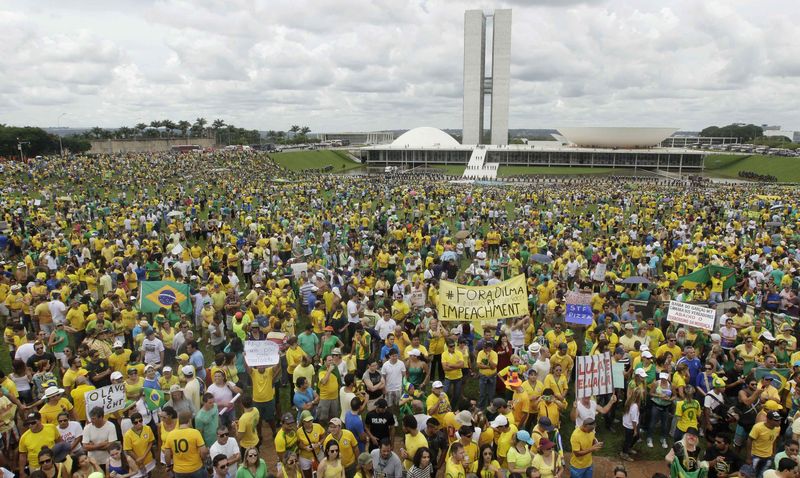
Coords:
379,64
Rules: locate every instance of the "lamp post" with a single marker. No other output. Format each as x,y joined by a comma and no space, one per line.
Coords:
60,146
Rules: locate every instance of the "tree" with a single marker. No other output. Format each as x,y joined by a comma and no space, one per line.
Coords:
97,132
294,129
745,132
184,126
199,127
218,124
140,128
169,125
305,130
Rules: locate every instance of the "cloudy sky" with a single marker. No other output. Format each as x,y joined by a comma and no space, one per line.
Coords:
351,65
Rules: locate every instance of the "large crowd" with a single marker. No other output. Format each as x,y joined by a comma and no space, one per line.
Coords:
342,274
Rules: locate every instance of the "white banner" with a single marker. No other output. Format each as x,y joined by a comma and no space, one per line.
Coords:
259,353
691,315
593,375
110,397
599,272
298,268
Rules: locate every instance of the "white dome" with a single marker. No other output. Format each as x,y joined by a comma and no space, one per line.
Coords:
612,137
424,137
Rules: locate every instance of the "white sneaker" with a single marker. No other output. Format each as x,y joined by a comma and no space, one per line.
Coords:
664,443
649,443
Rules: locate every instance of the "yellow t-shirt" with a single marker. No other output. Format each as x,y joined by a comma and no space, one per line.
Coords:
309,438
185,444
68,380
119,362
293,358
452,359
50,412
248,422
32,443
284,441
139,445
505,441
454,470
687,413
763,438
329,391
79,400
263,390
581,441
413,443
484,358
346,444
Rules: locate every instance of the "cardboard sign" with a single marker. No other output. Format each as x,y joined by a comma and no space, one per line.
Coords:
618,374
261,353
691,315
599,272
491,302
110,397
298,268
579,309
593,375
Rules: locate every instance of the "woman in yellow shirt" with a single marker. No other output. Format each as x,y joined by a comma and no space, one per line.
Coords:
487,466
557,382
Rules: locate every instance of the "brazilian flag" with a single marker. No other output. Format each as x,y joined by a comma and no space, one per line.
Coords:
153,399
704,275
155,294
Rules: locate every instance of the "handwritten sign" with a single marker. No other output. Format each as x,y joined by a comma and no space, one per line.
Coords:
599,272
500,301
691,315
298,268
594,375
111,398
259,353
579,309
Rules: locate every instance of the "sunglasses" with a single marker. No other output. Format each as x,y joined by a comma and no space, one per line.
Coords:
62,420
291,462
44,462
333,450
222,466
222,435
137,420
252,455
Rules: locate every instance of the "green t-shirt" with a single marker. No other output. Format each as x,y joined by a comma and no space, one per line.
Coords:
328,345
308,342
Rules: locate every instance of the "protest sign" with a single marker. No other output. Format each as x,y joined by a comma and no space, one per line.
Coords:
599,274
593,375
298,268
618,374
111,398
691,315
261,352
491,302
579,309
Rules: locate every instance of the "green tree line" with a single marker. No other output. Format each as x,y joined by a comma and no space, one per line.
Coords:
36,141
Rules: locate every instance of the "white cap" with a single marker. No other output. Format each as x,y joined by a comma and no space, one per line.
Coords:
428,310
118,343
628,326
640,372
716,338
188,370
643,347
379,293
647,354
499,421
116,375
414,352
167,369
534,348
767,335
662,375
437,384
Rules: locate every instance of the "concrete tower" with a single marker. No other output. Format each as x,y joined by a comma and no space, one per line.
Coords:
477,85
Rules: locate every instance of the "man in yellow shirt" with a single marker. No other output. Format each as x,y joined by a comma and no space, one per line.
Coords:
184,449
348,445
669,346
486,362
762,440
249,423
452,363
414,440
31,442
264,394
583,444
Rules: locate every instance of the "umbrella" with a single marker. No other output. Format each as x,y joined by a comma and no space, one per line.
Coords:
449,255
541,258
773,224
776,206
461,235
174,213
636,280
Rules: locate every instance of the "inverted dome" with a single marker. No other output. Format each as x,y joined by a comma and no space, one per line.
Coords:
611,137
425,137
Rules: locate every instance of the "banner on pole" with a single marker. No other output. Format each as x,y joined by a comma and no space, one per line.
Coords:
491,302
111,398
579,309
259,353
691,315
593,375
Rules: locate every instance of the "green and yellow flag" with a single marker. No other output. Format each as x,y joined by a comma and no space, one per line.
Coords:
153,399
703,276
157,294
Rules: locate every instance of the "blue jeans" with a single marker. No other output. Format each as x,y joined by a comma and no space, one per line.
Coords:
455,387
659,416
486,388
760,465
580,472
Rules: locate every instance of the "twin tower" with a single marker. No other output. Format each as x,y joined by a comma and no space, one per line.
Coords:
478,84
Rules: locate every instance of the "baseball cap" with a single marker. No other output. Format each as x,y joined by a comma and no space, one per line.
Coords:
524,436
499,402
437,384
118,344
628,326
545,444
188,370
663,376
464,417
414,352
772,405
288,418
647,354
691,431
499,421
33,416
640,372
306,416
546,423
336,421
183,357
336,351
116,375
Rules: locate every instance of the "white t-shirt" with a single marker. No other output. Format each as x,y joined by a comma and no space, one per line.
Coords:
394,375
73,430
584,413
711,402
152,350
92,434
345,398
58,311
228,449
631,417
222,394
385,327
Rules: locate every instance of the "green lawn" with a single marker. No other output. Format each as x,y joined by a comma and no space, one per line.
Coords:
452,170
300,160
728,166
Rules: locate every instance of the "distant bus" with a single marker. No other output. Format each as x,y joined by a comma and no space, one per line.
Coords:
186,148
